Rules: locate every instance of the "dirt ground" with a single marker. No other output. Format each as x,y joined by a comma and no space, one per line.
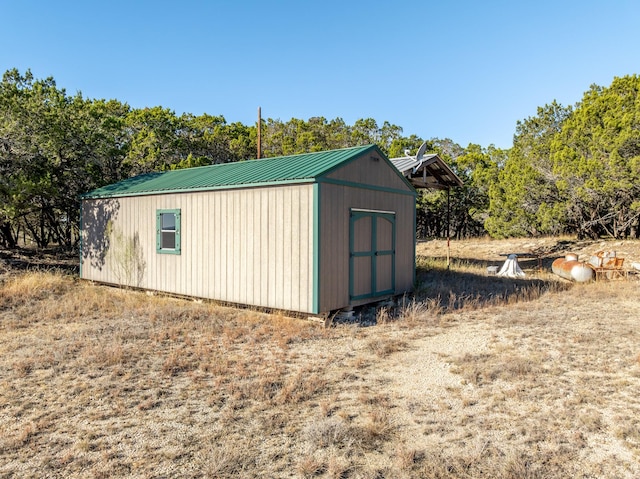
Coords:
473,377
494,251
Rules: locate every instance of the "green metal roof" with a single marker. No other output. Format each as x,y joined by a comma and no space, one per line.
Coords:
280,170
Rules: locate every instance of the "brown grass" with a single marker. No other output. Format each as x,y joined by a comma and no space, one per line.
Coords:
473,377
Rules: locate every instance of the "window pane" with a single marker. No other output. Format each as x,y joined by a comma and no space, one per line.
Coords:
168,221
168,240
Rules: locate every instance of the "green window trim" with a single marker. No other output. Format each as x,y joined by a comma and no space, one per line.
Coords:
168,235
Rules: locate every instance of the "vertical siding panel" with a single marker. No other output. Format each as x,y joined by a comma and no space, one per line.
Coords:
174,276
307,253
148,216
150,221
200,218
134,231
326,242
231,239
340,248
300,292
224,240
271,253
137,228
280,251
147,236
217,222
306,212
123,228
264,247
117,223
312,252
127,226
208,250
296,238
238,247
256,245
287,248
234,261
214,251
250,241
324,245
159,258
184,265
232,266
181,264
163,259
333,234
245,198
245,226
195,259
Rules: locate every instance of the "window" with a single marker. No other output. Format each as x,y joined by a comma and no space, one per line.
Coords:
168,231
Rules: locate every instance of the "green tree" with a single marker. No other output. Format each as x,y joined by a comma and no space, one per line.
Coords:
466,207
596,158
213,141
154,141
54,147
401,146
47,141
524,200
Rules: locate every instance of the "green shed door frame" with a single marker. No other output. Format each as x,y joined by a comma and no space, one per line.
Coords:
372,253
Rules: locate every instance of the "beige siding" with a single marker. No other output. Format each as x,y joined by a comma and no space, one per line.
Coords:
335,205
248,246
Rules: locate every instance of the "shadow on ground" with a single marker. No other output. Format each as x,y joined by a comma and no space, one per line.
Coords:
443,290
452,289
29,259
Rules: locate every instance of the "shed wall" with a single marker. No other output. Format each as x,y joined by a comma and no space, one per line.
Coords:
370,169
335,206
249,246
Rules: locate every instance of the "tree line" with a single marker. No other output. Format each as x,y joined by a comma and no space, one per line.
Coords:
571,170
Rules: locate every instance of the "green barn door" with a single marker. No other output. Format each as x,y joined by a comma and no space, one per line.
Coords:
372,255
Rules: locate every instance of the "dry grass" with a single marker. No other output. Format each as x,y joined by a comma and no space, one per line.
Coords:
473,377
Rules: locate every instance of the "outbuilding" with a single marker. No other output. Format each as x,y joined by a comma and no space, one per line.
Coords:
310,233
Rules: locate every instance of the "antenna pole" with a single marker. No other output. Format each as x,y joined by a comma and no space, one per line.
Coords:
259,135
448,228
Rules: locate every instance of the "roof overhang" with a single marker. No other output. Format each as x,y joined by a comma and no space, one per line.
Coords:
427,171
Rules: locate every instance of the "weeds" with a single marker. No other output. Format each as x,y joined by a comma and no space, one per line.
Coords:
383,347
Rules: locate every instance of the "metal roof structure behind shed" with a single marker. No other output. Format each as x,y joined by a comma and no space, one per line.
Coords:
427,171
304,168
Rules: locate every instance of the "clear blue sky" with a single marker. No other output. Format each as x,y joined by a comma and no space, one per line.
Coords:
464,70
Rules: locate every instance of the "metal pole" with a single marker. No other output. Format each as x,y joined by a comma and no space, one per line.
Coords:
259,133
448,230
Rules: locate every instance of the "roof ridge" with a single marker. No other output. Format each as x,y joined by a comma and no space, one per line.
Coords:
272,170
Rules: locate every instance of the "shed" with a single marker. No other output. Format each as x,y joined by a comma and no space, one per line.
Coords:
427,170
311,233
